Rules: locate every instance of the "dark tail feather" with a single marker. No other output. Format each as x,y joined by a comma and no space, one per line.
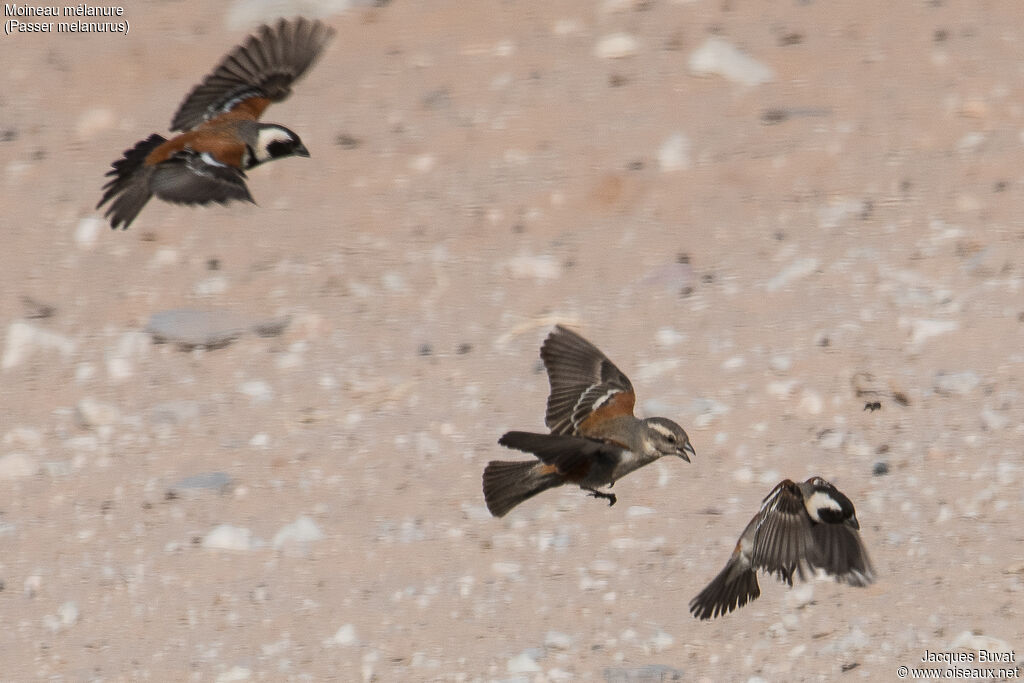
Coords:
129,187
726,592
507,484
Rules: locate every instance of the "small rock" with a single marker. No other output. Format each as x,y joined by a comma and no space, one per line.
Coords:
797,270
345,636
207,481
93,121
24,340
300,532
556,640
17,465
994,421
257,390
522,664
674,153
87,231
92,413
881,468
24,437
68,614
616,46
831,439
922,330
975,641
228,537
800,595
121,357
717,57
235,673
191,329
811,402
659,642
505,568
643,674
174,412
958,383
536,267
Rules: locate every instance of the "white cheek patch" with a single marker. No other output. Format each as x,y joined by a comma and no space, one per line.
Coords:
820,500
265,137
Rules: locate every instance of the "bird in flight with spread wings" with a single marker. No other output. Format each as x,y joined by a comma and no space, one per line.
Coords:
221,134
595,439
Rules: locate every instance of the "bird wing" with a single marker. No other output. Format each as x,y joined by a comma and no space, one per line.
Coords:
256,73
191,177
840,552
585,385
783,534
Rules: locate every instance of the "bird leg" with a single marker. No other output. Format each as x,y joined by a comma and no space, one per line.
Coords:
610,497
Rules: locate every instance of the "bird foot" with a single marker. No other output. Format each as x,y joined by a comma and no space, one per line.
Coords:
610,497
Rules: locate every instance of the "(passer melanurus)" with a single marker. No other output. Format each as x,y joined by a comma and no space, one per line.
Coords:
801,527
595,439
221,136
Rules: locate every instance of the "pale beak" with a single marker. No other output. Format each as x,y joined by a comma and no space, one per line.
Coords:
300,150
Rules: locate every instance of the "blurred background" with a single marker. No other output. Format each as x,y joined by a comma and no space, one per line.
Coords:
246,442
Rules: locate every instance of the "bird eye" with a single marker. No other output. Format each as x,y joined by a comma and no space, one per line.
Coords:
671,438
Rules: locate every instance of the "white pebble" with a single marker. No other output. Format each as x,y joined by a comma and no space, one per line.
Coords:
556,640
674,153
959,383
536,267
832,439
505,568
301,531
92,122
32,585
721,58
811,402
797,270
257,390
993,421
24,340
345,636
68,614
228,537
922,329
800,595
969,640
93,413
87,231
235,673
17,465
616,46
522,664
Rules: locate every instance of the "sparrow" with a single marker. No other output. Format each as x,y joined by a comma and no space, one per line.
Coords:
595,440
221,134
801,527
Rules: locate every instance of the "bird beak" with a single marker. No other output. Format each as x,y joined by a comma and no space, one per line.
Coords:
300,150
852,521
687,448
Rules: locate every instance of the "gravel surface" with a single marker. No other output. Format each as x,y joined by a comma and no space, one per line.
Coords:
245,442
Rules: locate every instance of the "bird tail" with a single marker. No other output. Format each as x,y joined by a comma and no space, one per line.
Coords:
733,587
507,484
129,186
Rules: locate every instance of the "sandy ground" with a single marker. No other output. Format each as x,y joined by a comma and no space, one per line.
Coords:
835,220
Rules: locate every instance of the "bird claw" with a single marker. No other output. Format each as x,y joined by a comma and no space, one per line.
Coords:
610,497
